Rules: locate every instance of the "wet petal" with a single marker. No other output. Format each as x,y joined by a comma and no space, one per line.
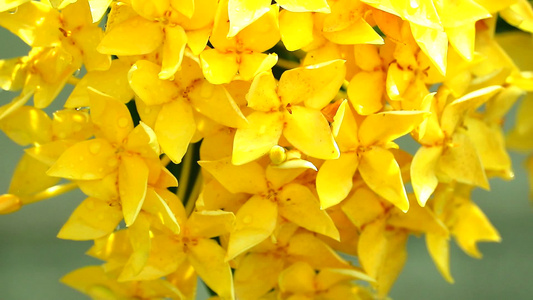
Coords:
92,219
308,130
173,49
132,185
335,179
175,127
423,172
255,222
207,258
256,139
145,82
135,36
298,204
218,67
315,85
247,178
110,116
381,172
87,160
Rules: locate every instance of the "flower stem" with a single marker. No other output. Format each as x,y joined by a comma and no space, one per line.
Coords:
185,174
50,192
195,192
287,64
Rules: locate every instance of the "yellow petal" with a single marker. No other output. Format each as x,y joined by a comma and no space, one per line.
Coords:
173,49
87,160
382,174
344,127
144,80
296,29
244,12
156,206
27,125
175,127
110,116
439,249
34,22
434,43
360,32
299,278
365,92
335,179
454,112
489,141
254,63
29,177
463,39
307,247
216,103
520,15
329,278
298,204
132,185
308,130
461,162
263,95
256,139
247,178
423,172
256,275
255,222
471,227
382,254
92,219
315,85
384,127
207,258
219,67
363,207
398,81
139,237
208,224
135,36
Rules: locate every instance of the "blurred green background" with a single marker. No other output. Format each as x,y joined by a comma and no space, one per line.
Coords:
32,259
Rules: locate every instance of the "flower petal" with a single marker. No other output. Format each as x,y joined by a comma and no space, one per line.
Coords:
384,127
173,49
87,160
135,36
335,179
382,174
110,116
248,178
256,139
423,172
145,82
255,222
316,85
132,185
207,258
92,219
298,204
175,126
296,29
219,67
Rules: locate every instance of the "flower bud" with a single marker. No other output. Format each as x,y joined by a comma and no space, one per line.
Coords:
9,203
277,155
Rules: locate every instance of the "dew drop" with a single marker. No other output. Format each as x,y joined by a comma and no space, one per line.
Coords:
95,147
88,176
123,122
247,219
113,162
77,72
13,10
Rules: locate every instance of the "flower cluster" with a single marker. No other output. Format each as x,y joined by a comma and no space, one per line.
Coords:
291,110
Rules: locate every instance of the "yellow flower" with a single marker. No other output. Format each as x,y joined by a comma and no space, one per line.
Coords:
279,111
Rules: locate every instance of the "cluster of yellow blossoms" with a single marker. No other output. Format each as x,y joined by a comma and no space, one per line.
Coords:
291,108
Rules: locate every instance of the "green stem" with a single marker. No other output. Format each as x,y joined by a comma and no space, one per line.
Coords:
185,174
50,192
195,192
287,64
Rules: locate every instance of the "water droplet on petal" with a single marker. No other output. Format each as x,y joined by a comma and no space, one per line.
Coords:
123,122
112,162
77,72
13,10
88,176
247,219
95,147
